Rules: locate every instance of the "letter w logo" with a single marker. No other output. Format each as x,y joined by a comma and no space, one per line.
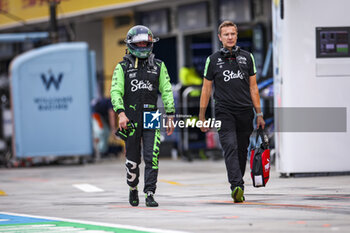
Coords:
52,80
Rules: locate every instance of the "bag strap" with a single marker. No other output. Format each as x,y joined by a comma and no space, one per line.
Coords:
264,138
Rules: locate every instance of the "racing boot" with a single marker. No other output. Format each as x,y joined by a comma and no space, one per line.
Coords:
134,196
150,202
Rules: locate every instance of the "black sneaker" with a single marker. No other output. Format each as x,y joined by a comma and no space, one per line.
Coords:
150,202
134,197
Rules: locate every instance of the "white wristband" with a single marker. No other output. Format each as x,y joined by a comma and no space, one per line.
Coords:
259,114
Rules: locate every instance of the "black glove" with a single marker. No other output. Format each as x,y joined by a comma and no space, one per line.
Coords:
125,133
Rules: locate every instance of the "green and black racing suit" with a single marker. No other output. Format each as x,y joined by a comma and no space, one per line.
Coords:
134,90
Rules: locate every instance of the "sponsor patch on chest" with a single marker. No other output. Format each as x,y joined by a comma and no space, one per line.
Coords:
142,84
241,60
229,74
132,75
220,62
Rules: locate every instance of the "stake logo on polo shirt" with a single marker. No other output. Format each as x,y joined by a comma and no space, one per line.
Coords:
229,74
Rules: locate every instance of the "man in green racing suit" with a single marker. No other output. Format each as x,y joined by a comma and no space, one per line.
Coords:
134,92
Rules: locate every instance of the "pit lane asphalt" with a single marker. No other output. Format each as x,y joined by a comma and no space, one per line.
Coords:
193,197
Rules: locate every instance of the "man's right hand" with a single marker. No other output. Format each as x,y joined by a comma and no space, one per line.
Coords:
123,121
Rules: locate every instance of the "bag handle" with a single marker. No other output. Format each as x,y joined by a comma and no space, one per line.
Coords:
264,138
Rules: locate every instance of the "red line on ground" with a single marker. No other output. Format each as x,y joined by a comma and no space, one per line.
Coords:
29,179
229,217
298,222
150,208
272,204
329,196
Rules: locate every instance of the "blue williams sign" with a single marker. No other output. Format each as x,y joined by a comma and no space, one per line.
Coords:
51,93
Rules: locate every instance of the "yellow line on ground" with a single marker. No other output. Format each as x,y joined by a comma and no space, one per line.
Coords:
2,193
171,182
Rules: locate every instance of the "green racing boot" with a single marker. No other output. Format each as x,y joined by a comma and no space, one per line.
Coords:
150,202
134,196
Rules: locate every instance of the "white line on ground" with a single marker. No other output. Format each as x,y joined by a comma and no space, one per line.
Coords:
88,188
98,223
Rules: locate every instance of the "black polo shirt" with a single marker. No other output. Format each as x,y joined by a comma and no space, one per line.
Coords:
231,79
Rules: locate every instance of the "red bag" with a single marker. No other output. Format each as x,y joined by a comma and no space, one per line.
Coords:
260,160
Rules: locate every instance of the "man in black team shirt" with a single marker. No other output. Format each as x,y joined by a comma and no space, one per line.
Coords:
236,93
